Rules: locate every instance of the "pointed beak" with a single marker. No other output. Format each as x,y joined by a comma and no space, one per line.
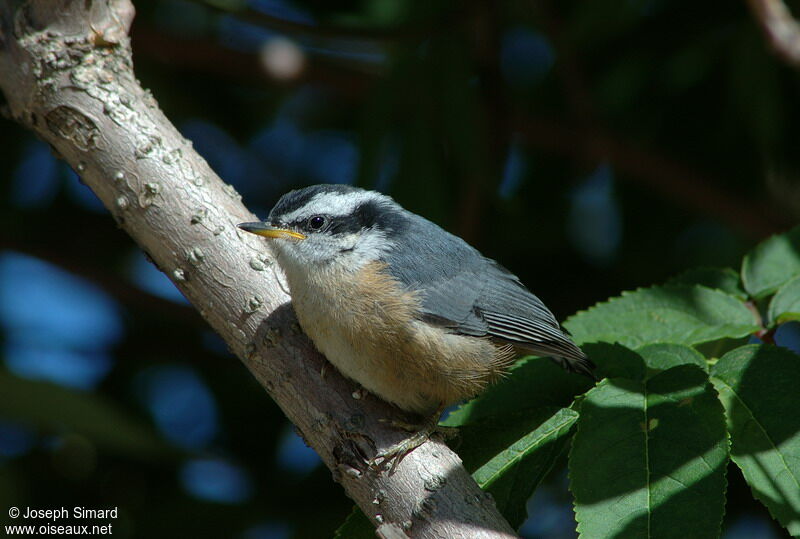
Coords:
268,231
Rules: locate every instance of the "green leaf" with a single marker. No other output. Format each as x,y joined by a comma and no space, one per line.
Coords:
355,526
512,475
785,305
615,361
516,411
662,357
478,442
758,385
724,279
533,383
679,314
56,409
772,263
533,391
649,458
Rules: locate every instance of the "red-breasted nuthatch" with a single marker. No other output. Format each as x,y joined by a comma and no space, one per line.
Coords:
411,312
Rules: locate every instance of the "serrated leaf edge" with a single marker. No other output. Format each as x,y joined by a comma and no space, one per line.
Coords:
709,384
626,293
691,347
746,264
603,383
671,280
773,319
766,435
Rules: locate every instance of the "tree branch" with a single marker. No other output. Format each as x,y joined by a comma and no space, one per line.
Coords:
66,72
780,28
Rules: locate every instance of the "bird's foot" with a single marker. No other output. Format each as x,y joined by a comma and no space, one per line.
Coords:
419,435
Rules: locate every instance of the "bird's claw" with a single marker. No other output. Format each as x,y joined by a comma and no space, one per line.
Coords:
420,435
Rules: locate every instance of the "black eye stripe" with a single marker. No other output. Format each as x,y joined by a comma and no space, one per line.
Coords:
365,216
339,224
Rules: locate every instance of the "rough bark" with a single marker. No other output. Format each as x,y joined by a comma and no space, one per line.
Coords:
66,73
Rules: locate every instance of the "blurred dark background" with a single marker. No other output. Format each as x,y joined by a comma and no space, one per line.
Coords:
591,146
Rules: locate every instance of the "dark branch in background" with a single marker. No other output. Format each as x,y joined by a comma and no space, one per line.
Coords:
648,167
66,73
484,29
78,258
206,56
71,260
392,33
652,170
585,139
780,28
576,89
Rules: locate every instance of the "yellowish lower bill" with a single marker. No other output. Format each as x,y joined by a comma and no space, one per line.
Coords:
279,233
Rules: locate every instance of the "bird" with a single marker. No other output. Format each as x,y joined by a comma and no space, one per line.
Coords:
411,312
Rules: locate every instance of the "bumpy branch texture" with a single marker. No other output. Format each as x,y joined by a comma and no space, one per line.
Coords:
66,72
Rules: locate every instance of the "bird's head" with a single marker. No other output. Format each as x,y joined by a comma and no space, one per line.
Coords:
331,225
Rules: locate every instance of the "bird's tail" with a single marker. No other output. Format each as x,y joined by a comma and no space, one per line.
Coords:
567,354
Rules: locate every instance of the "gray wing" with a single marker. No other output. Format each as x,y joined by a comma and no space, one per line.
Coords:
473,295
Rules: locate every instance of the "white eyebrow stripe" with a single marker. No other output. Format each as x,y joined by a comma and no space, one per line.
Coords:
334,204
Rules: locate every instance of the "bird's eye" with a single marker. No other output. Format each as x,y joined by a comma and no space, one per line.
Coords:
316,222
